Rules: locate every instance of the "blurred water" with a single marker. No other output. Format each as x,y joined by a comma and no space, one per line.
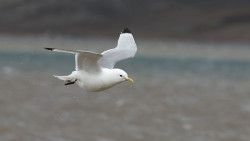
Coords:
171,106
33,62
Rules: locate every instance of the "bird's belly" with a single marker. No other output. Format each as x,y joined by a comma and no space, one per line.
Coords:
94,85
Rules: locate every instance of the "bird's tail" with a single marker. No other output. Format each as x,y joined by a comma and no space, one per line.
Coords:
69,79
64,78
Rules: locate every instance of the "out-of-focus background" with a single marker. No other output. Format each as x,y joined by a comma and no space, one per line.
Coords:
191,72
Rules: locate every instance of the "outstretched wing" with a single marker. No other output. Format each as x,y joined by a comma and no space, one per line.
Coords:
126,48
86,61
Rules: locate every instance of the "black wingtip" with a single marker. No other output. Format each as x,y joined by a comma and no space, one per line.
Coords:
126,30
51,49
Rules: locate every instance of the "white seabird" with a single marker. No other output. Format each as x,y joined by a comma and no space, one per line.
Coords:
95,72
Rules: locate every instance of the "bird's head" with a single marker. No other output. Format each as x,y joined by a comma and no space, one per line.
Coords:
121,75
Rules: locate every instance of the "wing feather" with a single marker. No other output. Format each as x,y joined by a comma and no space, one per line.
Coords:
84,60
126,48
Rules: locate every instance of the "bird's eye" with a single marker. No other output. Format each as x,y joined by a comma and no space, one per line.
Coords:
120,75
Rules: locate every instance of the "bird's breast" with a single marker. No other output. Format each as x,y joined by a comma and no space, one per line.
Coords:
94,83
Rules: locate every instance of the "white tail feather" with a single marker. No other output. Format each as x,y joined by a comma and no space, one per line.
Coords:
64,78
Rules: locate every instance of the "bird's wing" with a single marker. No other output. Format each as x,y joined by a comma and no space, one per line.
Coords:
126,48
86,61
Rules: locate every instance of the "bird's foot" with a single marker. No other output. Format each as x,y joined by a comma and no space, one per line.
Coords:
70,82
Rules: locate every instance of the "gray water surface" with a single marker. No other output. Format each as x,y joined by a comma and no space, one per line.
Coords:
28,62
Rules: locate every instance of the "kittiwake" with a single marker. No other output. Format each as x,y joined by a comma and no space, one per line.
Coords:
94,71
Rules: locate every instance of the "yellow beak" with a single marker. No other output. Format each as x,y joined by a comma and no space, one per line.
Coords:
129,79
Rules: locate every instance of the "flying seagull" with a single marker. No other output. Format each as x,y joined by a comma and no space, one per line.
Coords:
95,72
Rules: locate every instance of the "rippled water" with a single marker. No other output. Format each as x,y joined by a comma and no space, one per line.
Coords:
28,62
